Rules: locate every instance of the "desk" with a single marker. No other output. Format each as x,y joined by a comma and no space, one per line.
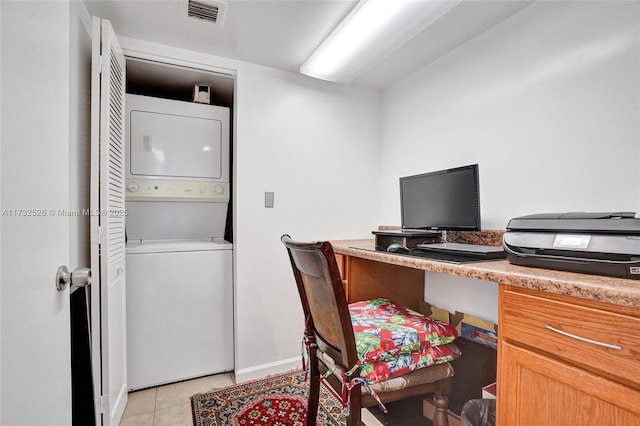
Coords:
544,377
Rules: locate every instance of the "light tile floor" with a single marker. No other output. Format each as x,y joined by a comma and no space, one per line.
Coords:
171,404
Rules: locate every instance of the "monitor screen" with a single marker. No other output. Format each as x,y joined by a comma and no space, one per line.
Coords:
444,200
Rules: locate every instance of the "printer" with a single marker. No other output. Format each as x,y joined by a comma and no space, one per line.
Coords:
592,243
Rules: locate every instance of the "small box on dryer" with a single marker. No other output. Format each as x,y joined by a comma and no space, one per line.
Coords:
201,94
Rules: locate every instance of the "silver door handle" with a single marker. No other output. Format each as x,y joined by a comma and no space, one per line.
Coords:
80,277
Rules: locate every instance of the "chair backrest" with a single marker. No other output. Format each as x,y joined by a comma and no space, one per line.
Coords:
323,299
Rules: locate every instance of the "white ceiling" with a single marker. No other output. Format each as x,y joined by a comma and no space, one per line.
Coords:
283,33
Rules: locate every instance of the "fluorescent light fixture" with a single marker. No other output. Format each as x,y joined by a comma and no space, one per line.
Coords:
372,31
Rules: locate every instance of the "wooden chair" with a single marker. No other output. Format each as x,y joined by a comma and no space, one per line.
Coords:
331,343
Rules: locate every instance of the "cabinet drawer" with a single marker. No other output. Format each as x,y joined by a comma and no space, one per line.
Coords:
600,340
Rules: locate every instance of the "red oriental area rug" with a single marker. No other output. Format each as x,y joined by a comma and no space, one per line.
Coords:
279,400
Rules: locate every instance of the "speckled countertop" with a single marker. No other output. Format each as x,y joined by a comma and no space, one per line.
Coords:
616,291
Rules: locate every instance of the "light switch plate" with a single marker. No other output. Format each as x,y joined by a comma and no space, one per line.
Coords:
268,200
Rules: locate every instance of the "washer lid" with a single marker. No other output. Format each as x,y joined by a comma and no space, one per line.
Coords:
168,246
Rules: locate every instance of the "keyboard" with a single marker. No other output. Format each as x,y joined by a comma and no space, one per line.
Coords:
469,250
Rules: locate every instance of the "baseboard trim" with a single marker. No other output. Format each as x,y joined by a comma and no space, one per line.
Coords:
264,370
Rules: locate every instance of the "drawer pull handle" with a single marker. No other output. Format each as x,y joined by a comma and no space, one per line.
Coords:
584,339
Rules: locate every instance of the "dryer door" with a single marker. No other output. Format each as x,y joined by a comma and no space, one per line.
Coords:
175,146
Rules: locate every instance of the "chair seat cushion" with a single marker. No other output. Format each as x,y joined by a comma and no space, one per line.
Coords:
405,363
384,329
414,378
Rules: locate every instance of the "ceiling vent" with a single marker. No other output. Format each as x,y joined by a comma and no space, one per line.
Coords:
212,11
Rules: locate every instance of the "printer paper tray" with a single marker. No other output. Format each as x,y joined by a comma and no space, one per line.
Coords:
614,268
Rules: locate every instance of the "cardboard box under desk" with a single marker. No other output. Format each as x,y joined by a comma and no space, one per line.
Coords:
384,241
490,391
475,370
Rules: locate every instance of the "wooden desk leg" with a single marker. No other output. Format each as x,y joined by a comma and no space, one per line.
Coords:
368,279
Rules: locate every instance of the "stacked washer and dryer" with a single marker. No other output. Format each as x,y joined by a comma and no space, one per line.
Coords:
179,267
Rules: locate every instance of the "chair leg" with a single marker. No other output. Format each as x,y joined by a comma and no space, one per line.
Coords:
314,387
441,413
355,416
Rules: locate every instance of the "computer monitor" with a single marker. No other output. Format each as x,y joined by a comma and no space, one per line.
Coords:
442,200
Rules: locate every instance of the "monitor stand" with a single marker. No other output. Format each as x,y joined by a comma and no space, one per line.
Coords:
405,237
408,233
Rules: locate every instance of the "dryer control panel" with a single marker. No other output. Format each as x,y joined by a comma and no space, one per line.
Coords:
176,190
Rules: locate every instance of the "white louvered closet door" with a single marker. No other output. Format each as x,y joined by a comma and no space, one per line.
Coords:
107,225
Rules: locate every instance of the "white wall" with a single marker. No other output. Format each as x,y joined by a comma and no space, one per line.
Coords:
316,146
546,102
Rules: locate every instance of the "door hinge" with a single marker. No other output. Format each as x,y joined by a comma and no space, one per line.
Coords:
97,67
104,403
101,231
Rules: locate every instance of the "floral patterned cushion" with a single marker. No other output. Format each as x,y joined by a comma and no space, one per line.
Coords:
404,363
384,329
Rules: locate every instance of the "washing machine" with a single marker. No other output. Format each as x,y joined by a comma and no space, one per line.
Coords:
179,310
179,266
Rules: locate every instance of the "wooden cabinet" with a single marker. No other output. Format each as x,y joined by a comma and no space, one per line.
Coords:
566,361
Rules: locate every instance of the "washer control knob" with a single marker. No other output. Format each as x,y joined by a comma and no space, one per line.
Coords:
132,187
219,189
188,189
